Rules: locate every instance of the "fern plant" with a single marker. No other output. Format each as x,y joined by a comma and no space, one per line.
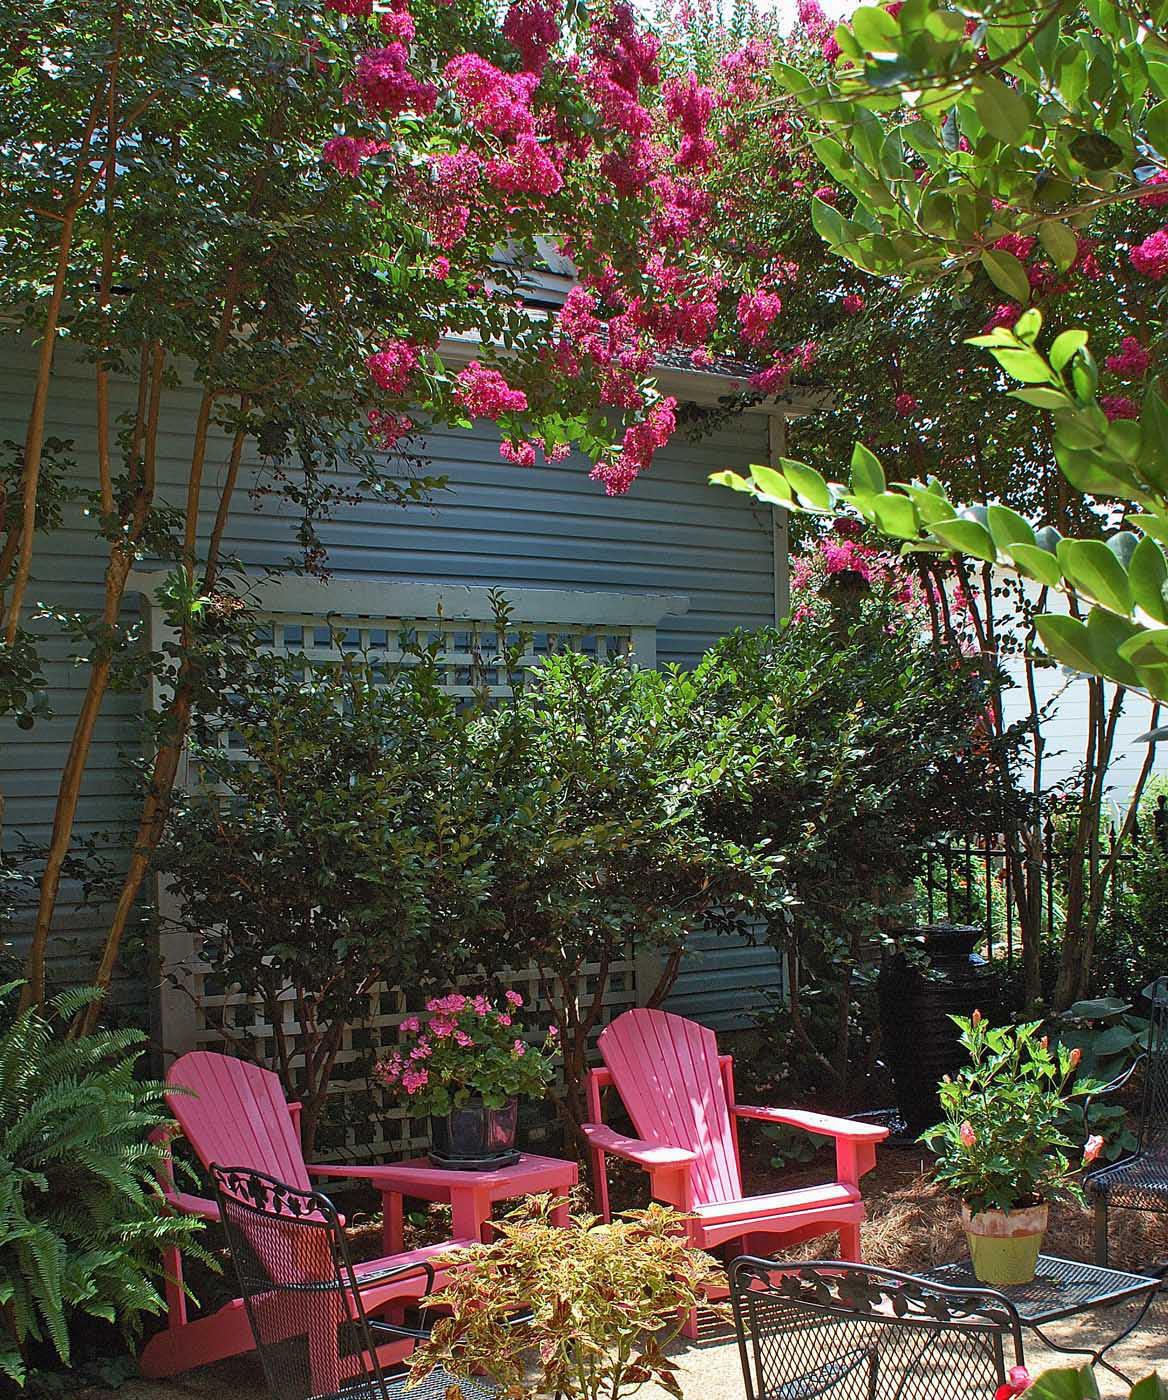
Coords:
81,1217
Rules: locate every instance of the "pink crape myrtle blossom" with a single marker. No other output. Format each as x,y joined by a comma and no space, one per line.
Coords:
1118,406
852,304
1132,361
484,393
393,365
756,312
388,88
492,100
905,405
1151,256
1018,1381
1006,314
533,27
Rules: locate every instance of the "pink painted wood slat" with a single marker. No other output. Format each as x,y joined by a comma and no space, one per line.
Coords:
668,1073
235,1114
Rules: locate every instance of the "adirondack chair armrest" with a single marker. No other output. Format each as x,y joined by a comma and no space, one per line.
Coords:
650,1155
855,1143
360,1172
186,1204
822,1123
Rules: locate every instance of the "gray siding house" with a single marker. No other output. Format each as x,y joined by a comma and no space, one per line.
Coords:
668,568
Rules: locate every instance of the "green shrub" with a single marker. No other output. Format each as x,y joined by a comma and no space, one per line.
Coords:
81,1224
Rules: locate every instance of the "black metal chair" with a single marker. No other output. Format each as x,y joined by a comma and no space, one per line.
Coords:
307,1303
853,1330
1140,1180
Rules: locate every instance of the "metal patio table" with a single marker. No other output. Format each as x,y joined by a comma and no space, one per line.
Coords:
1064,1288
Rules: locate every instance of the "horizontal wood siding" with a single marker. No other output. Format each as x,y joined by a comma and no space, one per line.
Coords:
496,525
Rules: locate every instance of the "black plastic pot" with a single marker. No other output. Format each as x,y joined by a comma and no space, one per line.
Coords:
474,1137
920,1041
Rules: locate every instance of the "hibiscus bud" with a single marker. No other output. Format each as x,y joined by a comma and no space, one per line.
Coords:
1076,1056
1092,1149
968,1136
1045,1042
976,1018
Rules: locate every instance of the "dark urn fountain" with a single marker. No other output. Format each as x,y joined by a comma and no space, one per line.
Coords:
917,999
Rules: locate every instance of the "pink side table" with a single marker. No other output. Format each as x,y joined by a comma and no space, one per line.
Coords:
470,1195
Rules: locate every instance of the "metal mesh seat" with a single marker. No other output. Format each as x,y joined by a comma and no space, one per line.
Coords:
857,1332
306,1303
1140,1181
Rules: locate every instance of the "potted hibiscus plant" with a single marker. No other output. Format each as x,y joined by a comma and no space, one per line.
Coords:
466,1064
1002,1145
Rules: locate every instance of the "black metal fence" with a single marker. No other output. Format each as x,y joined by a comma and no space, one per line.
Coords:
970,879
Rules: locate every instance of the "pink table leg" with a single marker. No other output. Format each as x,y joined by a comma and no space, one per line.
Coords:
469,1210
560,1214
391,1222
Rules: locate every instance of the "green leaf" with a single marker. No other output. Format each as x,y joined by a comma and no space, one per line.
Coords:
1028,325
771,483
1036,563
1060,243
1004,113
1148,648
1066,1384
1150,1388
1042,397
1156,125
1008,527
1025,365
1155,526
867,473
1107,633
1006,272
1095,572
808,483
876,30
1066,639
1065,345
965,537
896,515
829,223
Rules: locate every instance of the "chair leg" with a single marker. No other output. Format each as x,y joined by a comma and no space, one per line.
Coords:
849,1243
1101,1231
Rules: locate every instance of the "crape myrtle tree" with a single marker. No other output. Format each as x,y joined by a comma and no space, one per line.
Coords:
288,206
1020,147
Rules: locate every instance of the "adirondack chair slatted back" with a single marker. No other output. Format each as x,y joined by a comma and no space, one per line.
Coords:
236,1112
1154,1115
667,1072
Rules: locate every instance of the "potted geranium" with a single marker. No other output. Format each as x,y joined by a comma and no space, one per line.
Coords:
466,1064
1002,1146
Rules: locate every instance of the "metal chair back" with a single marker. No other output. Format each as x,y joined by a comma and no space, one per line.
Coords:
1154,1104
858,1332
299,1288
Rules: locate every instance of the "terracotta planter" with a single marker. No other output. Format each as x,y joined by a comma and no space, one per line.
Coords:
1004,1244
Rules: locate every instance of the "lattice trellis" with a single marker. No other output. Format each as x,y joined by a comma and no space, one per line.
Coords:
388,624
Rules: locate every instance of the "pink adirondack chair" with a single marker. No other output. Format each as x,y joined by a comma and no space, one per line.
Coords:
679,1092
234,1114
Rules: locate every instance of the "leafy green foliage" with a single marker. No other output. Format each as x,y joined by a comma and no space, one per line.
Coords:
1078,1383
341,845
81,1220
862,734
1002,1144
605,1301
1108,1038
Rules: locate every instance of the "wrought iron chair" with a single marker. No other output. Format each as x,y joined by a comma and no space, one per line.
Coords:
853,1330
1138,1181
304,1298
